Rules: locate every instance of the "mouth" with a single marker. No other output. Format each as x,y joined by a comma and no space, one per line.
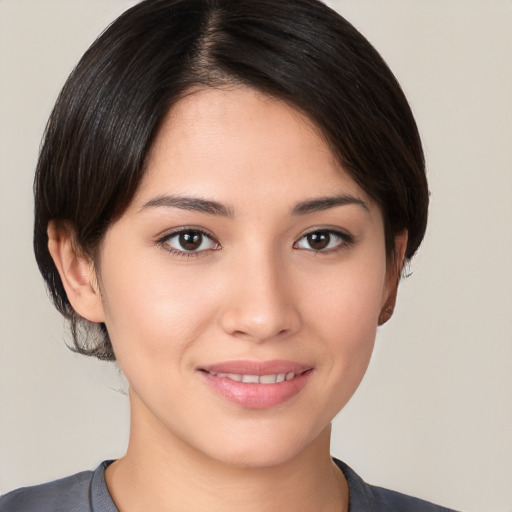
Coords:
271,378
256,385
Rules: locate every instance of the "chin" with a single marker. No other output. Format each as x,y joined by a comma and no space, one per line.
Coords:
258,458
268,448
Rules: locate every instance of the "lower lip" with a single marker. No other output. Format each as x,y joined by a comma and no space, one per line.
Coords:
256,396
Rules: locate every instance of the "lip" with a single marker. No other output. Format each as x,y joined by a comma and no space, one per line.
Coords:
256,367
256,395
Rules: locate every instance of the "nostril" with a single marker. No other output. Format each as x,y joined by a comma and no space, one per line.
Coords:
259,318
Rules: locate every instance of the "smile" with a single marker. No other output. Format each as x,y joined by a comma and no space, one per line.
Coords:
272,378
256,385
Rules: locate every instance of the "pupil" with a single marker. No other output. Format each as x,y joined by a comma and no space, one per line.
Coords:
319,240
191,240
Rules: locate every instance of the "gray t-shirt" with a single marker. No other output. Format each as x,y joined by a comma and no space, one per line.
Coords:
87,492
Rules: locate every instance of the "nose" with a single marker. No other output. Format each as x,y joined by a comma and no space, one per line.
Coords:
261,302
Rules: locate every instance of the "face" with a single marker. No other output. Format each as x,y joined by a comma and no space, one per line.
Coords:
242,287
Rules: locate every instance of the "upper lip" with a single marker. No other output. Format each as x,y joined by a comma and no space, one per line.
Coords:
247,367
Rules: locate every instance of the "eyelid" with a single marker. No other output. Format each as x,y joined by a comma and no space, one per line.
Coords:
183,229
162,239
347,239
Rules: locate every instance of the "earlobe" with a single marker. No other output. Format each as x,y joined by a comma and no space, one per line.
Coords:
76,272
393,277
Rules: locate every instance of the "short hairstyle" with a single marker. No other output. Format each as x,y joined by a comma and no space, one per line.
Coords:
105,120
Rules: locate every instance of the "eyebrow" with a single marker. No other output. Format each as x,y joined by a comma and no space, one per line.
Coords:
215,208
325,203
189,203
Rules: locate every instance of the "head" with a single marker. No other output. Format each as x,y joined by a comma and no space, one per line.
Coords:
230,188
104,125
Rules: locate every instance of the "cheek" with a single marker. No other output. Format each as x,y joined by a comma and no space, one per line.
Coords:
152,310
344,311
347,299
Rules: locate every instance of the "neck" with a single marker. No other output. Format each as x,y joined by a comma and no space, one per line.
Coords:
159,472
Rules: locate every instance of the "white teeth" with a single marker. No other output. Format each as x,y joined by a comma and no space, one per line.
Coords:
251,379
257,379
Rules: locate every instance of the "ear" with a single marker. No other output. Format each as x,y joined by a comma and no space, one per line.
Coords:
394,271
76,272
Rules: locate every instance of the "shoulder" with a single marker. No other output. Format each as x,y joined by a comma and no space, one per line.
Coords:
76,493
398,502
52,496
370,498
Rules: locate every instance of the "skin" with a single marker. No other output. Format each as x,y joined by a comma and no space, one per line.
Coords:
255,290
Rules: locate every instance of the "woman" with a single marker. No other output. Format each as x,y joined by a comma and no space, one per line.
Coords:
225,198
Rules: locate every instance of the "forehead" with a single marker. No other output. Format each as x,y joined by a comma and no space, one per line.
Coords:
239,144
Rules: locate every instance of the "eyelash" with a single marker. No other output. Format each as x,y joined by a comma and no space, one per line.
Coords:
344,241
164,243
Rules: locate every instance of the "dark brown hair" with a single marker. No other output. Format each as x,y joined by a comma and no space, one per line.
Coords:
102,127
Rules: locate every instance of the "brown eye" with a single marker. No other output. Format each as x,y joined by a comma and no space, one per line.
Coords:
188,241
319,240
324,240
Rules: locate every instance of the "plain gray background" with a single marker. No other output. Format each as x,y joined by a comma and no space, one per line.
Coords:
433,417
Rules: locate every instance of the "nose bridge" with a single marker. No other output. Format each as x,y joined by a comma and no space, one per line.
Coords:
260,303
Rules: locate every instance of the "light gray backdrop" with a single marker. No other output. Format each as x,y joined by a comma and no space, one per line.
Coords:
434,416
